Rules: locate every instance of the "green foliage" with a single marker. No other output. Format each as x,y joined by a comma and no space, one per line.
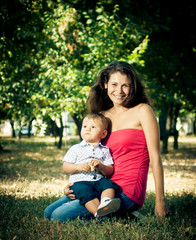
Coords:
79,50
21,45
51,52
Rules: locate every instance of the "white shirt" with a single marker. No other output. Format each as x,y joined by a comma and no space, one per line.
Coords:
84,152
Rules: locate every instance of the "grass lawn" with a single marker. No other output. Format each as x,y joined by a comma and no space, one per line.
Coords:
31,178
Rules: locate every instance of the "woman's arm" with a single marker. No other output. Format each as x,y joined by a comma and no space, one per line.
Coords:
151,130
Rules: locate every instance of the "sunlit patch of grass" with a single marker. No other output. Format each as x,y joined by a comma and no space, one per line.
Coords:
36,188
179,167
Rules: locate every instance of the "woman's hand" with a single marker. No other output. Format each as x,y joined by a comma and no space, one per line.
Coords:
68,192
161,209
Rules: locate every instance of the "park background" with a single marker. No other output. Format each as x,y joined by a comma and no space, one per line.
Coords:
51,52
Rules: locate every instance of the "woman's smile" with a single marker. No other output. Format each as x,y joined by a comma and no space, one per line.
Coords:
119,96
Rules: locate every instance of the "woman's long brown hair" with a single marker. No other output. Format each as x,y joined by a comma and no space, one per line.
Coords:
98,99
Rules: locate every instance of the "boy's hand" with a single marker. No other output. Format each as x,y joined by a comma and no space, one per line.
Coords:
84,167
95,163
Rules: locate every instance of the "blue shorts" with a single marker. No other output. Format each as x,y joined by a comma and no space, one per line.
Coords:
86,191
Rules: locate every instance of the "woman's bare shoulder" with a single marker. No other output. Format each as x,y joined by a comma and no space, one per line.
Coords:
142,110
143,107
145,113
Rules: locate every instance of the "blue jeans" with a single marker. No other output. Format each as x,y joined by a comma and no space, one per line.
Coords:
66,209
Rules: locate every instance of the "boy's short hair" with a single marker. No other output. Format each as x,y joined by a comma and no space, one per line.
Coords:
100,116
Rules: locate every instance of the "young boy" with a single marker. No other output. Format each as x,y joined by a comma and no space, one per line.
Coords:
89,163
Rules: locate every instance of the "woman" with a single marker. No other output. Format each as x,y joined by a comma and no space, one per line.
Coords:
134,140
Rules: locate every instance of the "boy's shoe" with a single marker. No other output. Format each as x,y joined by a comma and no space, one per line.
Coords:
108,206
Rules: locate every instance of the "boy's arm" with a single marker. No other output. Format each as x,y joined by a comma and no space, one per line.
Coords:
106,167
73,168
106,170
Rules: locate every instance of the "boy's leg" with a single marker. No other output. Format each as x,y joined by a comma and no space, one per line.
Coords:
108,193
92,205
108,204
84,191
87,195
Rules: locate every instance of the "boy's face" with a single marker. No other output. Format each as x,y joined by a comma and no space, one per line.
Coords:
93,131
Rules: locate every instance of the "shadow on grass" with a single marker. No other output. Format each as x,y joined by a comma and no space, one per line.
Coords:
30,168
34,142
179,205
29,159
22,218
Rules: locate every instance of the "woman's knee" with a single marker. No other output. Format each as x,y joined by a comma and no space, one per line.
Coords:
56,215
55,205
47,213
70,211
62,214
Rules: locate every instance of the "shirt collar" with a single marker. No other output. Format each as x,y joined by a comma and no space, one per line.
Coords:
84,143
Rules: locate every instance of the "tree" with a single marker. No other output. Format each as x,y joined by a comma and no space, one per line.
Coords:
78,51
169,68
20,43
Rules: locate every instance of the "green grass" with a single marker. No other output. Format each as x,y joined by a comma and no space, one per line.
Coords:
31,178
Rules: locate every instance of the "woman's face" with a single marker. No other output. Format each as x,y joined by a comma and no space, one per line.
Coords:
118,88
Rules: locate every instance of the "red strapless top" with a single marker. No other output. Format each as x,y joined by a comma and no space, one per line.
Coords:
131,162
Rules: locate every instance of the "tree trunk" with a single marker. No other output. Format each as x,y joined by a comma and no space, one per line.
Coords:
165,143
60,134
163,129
78,123
30,127
194,125
176,113
13,130
176,139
